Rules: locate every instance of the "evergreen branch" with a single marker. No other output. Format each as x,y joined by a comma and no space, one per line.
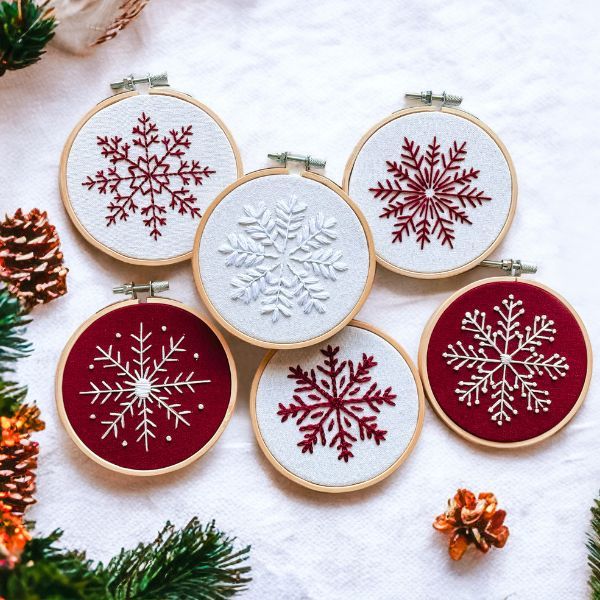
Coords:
13,345
25,29
194,563
593,546
47,572
12,396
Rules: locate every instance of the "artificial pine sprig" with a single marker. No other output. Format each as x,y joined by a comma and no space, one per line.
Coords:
594,551
25,29
196,562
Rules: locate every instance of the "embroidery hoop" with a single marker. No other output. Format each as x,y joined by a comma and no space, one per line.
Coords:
197,270
71,431
422,362
64,191
475,121
356,486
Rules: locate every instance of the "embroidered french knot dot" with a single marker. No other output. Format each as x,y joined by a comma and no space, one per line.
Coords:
168,438
92,417
118,335
196,356
124,443
164,328
200,406
91,367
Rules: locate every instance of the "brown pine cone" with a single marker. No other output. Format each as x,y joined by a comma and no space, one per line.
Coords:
18,459
31,263
473,521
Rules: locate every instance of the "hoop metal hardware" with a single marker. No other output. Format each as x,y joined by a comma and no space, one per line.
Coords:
429,98
128,83
514,266
147,289
310,162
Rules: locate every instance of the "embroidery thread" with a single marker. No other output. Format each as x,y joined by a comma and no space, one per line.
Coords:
142,387
429,193
339,401
151,177
506,361
286,255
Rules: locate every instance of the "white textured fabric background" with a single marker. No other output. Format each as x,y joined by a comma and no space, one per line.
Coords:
314,76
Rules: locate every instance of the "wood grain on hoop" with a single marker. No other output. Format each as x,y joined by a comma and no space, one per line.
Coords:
362,484
422,361
513,202
101,461
64,190
197,267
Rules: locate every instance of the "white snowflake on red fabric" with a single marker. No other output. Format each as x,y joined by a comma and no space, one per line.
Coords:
286,256
429,193
506,361
338,401
150,173
140,390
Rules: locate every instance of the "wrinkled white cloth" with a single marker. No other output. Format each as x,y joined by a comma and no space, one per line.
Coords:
313,77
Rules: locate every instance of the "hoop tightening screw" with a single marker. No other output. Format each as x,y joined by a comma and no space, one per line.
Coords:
133,289
310,162
514,266
429,98
129,82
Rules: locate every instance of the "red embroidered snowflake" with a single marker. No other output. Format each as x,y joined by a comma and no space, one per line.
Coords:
337,401
429,192
151,171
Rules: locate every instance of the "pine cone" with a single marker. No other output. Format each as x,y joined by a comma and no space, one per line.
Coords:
18,459
31,263
473,521
13,537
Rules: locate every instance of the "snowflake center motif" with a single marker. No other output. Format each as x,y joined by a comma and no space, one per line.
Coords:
429,193
141,390
150,172
505,361
342,402
286,257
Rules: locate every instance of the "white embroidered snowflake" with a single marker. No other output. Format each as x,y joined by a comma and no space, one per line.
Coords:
285,257
506,361
140,387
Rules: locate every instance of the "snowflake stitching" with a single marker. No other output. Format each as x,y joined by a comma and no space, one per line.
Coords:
153,176
505,360
286,256
429,193
145,387
338,400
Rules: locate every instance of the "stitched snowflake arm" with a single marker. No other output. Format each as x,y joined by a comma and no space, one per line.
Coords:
336,403
507,361
153,177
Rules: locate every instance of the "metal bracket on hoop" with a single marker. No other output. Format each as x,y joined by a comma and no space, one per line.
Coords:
145,290
428,98
128,83
310,162
514,266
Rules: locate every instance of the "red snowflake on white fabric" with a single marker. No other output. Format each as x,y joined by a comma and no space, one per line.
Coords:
143,173
338,401
429,192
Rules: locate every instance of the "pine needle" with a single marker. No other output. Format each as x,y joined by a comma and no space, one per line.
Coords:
593,545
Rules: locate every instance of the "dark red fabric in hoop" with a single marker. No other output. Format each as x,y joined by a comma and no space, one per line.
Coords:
171,444
568,342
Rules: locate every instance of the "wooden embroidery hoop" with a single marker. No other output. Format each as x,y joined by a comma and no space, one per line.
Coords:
64,191
355,486
67,424
422,361
513,202
213,310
